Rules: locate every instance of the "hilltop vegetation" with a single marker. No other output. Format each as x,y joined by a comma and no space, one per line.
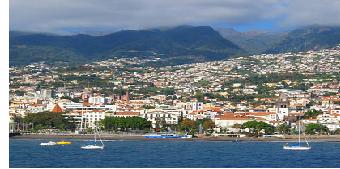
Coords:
179,45
201,42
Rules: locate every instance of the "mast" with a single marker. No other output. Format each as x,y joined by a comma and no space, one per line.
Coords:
81,123
95,137
100,139
299,132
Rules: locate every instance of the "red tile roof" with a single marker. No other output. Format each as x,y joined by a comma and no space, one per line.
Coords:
233,116
57,108
127,113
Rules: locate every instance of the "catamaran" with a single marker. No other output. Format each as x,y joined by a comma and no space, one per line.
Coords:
94,146
297,146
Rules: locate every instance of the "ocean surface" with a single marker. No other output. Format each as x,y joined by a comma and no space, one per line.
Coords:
130,154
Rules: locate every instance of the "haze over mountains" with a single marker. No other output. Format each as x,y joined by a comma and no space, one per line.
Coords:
183,44
253,41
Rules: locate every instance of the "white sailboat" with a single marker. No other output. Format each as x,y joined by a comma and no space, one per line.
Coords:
297,146
94,146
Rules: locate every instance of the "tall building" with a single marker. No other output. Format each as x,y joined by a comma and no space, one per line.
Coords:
282,106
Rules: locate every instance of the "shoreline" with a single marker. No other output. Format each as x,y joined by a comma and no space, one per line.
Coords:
289,138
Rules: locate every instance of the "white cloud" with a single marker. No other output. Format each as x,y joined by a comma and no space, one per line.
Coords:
308,12
58,15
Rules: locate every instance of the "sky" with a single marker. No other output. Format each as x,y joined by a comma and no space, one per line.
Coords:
101,16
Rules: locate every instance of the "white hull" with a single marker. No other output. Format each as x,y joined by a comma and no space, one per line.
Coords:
187,136
51,143
296,148
92,147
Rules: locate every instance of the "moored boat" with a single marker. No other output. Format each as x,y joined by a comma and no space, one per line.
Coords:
50,143
94,146
298,145
64,142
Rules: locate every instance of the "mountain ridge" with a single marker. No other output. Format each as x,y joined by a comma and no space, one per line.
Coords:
182,44
179,41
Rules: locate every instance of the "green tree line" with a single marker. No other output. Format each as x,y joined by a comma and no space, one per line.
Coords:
49,120
125,123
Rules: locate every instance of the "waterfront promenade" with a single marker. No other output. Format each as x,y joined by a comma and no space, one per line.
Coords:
311,138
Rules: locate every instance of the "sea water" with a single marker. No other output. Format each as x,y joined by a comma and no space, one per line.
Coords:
174,153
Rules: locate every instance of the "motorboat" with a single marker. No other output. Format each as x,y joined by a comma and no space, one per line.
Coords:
64,142
50,143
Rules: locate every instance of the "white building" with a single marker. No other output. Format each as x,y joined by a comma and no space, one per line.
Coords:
96,100
157,117
91,118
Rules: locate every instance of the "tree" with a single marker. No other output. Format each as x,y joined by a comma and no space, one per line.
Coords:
208,124
19,92
199,96
283,129
315,128
148,106
257,127
187,125
311,103
337,132
312,114
285,84
49,120
237,126
125,123
167,91
163,124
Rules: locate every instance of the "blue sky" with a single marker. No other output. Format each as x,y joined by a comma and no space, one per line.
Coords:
95,16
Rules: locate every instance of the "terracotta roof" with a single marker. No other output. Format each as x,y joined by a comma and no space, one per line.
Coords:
233,116
127,113
57,108
260,118
335,114
260,113
332,98
96,110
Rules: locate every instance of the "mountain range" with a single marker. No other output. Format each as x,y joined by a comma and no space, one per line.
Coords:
178,45
254,42
194,43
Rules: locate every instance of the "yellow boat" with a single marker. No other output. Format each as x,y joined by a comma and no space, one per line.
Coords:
63,142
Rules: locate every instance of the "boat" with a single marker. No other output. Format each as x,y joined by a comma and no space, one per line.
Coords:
64,142
297,146
94,146
186,136
167,136
50,143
